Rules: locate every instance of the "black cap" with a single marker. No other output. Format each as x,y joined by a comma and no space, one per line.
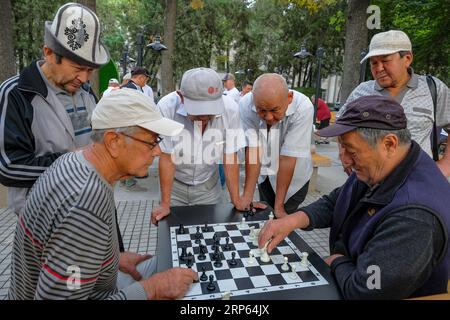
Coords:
139,70
376,112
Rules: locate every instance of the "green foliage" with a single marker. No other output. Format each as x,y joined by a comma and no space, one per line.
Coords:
427,25
260,35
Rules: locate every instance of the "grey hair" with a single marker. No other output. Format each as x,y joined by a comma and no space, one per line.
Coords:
97,135
373,136
404,53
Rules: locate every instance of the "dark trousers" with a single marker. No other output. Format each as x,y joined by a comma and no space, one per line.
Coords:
267,194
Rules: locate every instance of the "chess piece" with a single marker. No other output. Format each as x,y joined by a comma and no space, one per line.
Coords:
242,225
218,263
304,262
271,216
183,253
216,253
181,229
226,295
211,286
251,258
205,228
203,277
265,256
251,235
285,265
227,243
201,256
189,260
233,261
293,274
198,236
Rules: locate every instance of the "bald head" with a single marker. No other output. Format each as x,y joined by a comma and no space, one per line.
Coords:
271,97
270,85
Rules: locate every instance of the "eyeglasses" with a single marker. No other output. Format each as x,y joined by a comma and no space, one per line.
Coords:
151,145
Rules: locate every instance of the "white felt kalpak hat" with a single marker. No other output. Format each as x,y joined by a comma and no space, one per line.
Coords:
129,107
75,35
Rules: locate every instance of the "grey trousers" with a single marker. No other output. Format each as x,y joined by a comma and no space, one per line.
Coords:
209,192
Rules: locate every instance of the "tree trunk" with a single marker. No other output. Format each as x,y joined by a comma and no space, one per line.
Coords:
356,33
8,65
95,80
167,81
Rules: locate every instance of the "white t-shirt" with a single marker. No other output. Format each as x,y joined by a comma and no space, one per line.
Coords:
196,156
289,137
233,94
149,92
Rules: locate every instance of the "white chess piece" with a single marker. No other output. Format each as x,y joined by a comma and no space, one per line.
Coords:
265,256
242,225
285,266
271,216
251,236
304,262
293,273
251,259
226,295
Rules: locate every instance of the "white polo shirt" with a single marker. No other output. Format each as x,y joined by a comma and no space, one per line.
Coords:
289,137
233,94
195,155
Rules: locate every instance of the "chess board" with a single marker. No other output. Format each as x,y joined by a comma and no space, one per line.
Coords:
242,278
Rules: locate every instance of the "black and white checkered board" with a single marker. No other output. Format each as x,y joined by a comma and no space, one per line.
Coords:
243,278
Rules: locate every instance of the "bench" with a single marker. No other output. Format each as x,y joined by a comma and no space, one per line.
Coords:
318,161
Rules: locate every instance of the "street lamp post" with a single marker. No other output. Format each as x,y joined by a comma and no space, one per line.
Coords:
319,55
125,60
140,48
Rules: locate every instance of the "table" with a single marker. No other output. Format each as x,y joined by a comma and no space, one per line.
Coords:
220,213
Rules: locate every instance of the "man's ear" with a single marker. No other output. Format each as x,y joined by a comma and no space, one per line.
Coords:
113,143
390,144
290,96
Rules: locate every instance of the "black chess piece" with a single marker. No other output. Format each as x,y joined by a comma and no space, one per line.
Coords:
203,277
218,263
233,261
216,253
205,228
198,236
227,243
211,286
202,250
181,229
189,260
183,253
216,239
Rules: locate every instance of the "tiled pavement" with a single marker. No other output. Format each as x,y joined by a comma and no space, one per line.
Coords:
134,216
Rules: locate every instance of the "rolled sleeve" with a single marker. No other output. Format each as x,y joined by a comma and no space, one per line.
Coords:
297,139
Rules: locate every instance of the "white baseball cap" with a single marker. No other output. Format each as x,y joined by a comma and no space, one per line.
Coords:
113,81
388,42
128,107
202,92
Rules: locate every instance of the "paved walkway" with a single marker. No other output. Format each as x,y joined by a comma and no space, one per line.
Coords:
134,208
